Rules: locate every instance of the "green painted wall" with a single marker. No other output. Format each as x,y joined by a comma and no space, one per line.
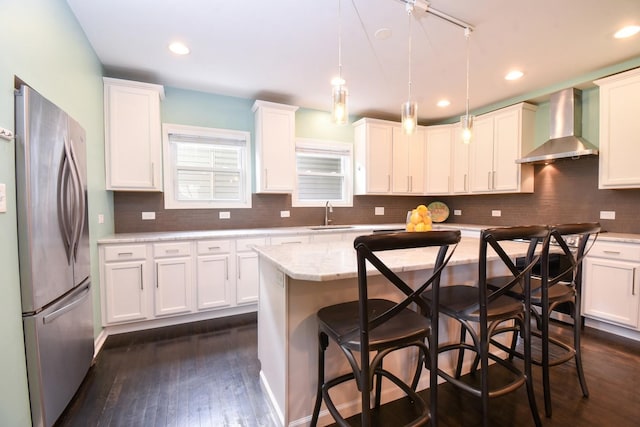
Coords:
186,107
43,45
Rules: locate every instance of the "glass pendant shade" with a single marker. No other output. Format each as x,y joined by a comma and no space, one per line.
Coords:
466,124
409,117
340,112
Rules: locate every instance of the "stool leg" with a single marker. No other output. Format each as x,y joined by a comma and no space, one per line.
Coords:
576,345
323,343
463,337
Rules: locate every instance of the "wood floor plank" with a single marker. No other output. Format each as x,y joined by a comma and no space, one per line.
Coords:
206,374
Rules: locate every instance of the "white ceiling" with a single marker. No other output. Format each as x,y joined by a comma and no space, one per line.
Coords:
287,50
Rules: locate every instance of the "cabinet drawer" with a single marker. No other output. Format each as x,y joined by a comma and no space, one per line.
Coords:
214,247
125,252
286,240
611,250
171,249
247,244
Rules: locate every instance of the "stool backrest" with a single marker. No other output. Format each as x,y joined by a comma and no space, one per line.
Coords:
366,248
588,233
538,237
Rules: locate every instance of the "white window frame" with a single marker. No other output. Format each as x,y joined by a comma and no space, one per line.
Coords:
170,201
327,147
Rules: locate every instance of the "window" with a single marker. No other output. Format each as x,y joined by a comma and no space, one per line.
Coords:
206,168
323,173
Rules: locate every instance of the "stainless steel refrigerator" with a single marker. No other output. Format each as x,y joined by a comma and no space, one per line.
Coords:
53,239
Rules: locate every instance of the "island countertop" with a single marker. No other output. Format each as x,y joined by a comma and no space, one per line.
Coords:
325,261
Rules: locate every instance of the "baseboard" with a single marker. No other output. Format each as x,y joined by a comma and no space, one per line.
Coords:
169,321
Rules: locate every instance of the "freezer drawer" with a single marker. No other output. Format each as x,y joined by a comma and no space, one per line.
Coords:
59,349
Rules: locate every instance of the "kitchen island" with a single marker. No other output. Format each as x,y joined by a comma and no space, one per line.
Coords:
297,280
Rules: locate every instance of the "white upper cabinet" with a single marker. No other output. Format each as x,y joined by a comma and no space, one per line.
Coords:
387,161
133,142
499,138
373,156
275,147
459,163
408,156
619,130
438,159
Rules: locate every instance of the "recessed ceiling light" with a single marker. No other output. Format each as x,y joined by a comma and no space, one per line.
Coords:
628,31
443,103
514,75
383,33
179,48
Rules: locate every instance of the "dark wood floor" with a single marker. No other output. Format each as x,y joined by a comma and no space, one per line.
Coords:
206,374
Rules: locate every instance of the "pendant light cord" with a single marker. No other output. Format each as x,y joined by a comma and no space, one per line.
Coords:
409,12
467,33
340,39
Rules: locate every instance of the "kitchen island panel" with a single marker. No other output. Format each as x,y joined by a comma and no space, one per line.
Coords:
287,318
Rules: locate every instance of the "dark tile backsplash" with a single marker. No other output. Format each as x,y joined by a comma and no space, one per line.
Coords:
565,191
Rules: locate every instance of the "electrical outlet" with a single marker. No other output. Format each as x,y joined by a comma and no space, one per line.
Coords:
607,214
457,212
148,215
285,214
224,215
379,210
496,213
100,219
3,198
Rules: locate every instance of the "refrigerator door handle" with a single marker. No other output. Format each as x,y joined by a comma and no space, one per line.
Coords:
49,318
63,203
79,199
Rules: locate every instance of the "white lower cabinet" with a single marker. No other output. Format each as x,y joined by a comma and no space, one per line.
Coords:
173,285
611,281
247,270
214,280
124,283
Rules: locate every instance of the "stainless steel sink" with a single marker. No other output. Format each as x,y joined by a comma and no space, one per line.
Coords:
330,227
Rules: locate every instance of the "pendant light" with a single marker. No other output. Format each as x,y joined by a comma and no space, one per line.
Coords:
409,110
466,121
340,111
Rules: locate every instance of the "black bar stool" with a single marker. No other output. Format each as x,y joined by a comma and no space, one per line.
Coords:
489,309
383,326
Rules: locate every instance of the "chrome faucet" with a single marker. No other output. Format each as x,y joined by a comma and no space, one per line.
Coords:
327,209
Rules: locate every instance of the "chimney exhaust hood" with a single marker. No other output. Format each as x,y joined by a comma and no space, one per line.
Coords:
565,130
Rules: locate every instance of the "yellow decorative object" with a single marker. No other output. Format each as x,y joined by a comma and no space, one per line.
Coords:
419,219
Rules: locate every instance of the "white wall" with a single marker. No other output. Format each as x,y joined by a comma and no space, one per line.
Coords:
42,44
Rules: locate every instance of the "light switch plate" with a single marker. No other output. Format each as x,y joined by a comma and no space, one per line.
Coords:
148,215
379,210
457,212
3,198
224,215
607,214
285,214
496,213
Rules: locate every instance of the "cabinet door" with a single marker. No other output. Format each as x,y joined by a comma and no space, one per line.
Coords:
379,155
133,137
173,286
400,174
438,159
247,277
275,147
460,163
611,290
481,156
125,291
213,283
506,148
619,130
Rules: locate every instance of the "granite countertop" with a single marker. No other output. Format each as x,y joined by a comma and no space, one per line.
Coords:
337,260
283,231
255,232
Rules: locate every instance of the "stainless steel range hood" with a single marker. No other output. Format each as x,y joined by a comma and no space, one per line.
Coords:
565,130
